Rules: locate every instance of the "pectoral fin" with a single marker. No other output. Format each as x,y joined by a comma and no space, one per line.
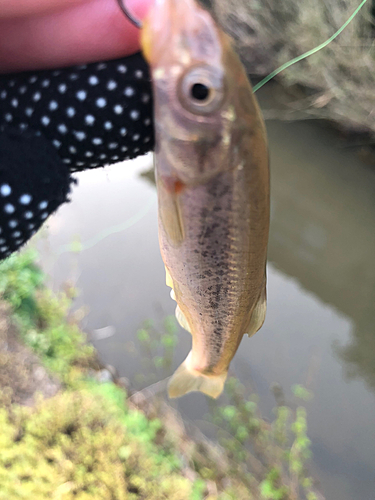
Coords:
171,215
259,313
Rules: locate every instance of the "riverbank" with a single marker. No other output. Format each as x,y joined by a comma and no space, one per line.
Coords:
71,429
334,84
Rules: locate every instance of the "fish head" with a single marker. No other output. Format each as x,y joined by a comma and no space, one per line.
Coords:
194,93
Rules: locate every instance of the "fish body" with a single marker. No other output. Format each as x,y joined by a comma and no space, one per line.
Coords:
211,165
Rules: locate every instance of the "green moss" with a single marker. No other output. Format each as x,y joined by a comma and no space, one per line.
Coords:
58,341
85,445
19,278
43,318
198,489
89,443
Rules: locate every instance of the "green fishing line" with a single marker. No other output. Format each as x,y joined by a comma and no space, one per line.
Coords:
309,52
111,230
101,236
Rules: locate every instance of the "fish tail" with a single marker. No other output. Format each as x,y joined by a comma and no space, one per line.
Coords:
185,379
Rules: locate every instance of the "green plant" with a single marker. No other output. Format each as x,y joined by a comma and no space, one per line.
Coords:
157,346
198,489
43,318
56,336
89,443
85,445
19,278
275,454
271,458
271,488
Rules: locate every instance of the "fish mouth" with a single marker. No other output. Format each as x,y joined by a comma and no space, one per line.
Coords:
178,29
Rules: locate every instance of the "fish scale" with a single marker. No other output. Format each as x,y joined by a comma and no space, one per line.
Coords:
211,166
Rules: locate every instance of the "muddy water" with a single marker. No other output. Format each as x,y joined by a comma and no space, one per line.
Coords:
320,326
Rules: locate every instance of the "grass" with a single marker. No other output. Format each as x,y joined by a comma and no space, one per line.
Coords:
43,318
85,444
269,458
91,442
337,81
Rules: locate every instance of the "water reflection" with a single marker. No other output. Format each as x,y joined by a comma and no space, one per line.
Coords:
323,230
319,327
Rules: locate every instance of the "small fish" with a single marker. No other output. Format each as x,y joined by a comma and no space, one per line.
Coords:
212,179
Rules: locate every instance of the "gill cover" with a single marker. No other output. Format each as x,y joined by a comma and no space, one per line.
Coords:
193,118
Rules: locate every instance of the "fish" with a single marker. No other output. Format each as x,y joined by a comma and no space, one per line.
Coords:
212,178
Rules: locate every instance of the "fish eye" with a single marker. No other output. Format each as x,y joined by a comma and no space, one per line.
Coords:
201,90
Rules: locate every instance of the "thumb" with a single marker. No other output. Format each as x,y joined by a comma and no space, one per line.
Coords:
72,33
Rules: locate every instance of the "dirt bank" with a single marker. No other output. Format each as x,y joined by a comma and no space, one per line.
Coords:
22,374
337,83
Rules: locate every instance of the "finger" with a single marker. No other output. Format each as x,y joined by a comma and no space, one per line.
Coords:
86,32
19,8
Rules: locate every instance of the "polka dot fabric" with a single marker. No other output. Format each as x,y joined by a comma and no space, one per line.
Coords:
55,122
27,200
93,115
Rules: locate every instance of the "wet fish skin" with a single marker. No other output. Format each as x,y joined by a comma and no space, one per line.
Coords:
213,189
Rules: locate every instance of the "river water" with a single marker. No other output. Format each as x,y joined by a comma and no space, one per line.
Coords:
320,321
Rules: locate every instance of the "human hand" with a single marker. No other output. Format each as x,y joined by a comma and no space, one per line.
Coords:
54,122
39,34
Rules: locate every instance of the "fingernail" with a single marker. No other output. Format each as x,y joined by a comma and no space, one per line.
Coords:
138,7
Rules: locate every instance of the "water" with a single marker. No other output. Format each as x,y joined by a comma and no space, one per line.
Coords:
319,329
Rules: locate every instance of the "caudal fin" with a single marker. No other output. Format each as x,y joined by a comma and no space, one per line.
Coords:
186,380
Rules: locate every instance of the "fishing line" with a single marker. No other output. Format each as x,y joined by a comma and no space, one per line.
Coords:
309,52
151,390
137,217
111,230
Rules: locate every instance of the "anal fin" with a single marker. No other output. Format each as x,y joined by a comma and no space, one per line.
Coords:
181,318
259,313
168,279
169,282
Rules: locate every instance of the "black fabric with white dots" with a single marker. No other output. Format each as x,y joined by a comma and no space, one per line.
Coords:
56,122
33,183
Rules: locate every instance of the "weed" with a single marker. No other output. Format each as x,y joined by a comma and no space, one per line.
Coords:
85,445
88,442
43,318
270,458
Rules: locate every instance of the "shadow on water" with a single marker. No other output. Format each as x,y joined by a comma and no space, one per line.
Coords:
323,231
319,329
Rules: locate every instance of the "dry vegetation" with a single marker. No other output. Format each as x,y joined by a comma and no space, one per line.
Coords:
337,82
84,439
21,373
